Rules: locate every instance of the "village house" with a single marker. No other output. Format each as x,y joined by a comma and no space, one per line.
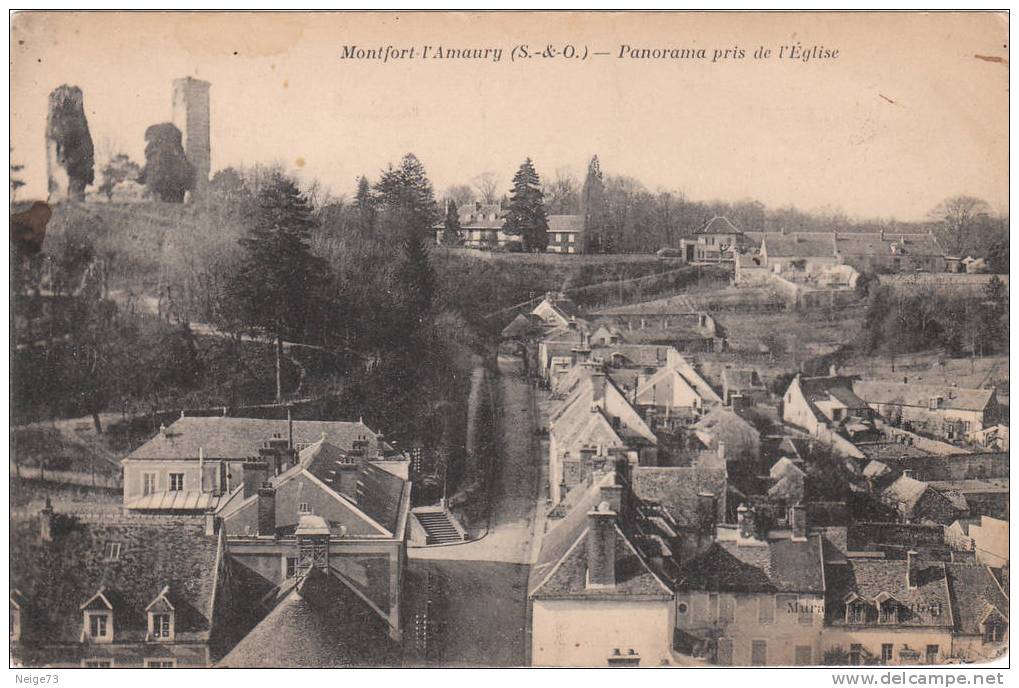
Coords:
115,591
362,512
755,597
318,617
718,241
946,412
480,226
723,430
742,387
980,611
691,331
888,611
890,252
827,409
195,464
594,598
566,234
555,310
807,252
918,502
986,537
594,423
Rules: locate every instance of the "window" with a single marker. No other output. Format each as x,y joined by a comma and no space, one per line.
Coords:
112,551
855,654
994,632
98,625
856,613
888,614
176,482
97,663
290,567
759,652
932,654
723,654
765,610
162,626
303,508
148,484
803,656
727,609
713,606
886,652
160,663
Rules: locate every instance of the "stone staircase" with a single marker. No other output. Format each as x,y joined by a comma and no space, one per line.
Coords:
439,528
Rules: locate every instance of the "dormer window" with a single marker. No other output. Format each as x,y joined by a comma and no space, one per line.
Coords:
856,609
97,618
994,626
888,612
161,617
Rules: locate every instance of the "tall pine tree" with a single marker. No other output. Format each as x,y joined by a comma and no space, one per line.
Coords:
452,234
275,286
526,215
407,191
592,206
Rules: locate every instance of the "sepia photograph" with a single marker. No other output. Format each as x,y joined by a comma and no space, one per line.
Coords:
492,339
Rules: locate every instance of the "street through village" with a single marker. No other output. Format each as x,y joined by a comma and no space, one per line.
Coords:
482,615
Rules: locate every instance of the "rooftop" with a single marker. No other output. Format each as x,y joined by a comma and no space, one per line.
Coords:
911,394
779,566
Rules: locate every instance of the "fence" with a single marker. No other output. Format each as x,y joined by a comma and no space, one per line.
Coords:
66,477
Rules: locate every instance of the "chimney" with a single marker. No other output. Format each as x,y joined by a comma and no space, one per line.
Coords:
707,513
798,522
586,462
267,510
601,547
907,473
833,370
255,473
210,524
46,522
162,429
912,569
613,496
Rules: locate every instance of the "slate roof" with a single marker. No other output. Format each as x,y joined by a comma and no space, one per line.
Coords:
634,578
779,566
320,623
239,438
824,388
56,578
677,488
926,605
904,494
975,593
719,225
728,427
566,223
908,394
799,245
524,323
872,244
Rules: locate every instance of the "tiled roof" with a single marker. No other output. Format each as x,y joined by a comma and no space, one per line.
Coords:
677,488
719,225
975,593
779,566
565,532
904,493
928,604
57,577
633,576
239,438
522,324
908,394
728,427
799,245
320,623
872,244
566,223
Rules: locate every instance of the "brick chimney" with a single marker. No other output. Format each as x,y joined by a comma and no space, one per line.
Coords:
601,547
46,522
254,474
912,569
707,513
267,510
798,522
613,496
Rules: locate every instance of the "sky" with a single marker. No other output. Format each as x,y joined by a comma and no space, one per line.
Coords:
914,108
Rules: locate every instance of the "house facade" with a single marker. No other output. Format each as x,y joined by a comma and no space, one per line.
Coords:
943,411
718,241
119,591
566,234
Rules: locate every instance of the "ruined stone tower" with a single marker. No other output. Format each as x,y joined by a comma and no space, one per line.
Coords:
69,152
191,116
